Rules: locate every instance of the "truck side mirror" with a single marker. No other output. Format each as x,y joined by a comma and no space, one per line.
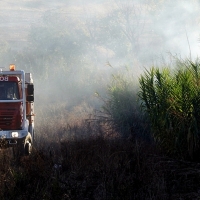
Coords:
30,93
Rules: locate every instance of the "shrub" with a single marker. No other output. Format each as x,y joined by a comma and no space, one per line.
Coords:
122,106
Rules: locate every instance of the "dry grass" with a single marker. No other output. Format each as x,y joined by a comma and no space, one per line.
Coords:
95,167
87,159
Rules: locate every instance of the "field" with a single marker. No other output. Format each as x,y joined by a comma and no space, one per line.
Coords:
93,140
97,168
85,157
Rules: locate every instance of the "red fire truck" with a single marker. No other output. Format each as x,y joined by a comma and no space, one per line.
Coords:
16,110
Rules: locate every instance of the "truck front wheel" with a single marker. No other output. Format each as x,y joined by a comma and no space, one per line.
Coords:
23,147
27,145
27,148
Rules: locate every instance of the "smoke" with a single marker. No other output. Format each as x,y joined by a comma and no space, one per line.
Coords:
177,24
72,47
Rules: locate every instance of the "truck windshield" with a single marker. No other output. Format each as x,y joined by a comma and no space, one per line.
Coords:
9,90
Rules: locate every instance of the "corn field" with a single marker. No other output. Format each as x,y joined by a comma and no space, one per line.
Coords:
171,97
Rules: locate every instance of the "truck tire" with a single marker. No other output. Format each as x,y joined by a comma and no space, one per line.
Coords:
27,145
23,147
27,148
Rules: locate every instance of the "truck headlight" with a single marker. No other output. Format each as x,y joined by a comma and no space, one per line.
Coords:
15,134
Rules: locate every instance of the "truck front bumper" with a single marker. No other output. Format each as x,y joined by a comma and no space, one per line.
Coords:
12,137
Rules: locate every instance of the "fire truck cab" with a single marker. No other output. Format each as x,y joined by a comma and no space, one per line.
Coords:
16,110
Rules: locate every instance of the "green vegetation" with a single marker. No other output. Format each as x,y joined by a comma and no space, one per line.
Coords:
171,99
167,102
122,105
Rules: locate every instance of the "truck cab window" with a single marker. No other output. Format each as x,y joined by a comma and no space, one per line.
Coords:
9,91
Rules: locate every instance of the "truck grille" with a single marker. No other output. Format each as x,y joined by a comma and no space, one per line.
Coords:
6,118
10,118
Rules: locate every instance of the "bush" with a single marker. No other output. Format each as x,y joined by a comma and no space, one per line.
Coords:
122,106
